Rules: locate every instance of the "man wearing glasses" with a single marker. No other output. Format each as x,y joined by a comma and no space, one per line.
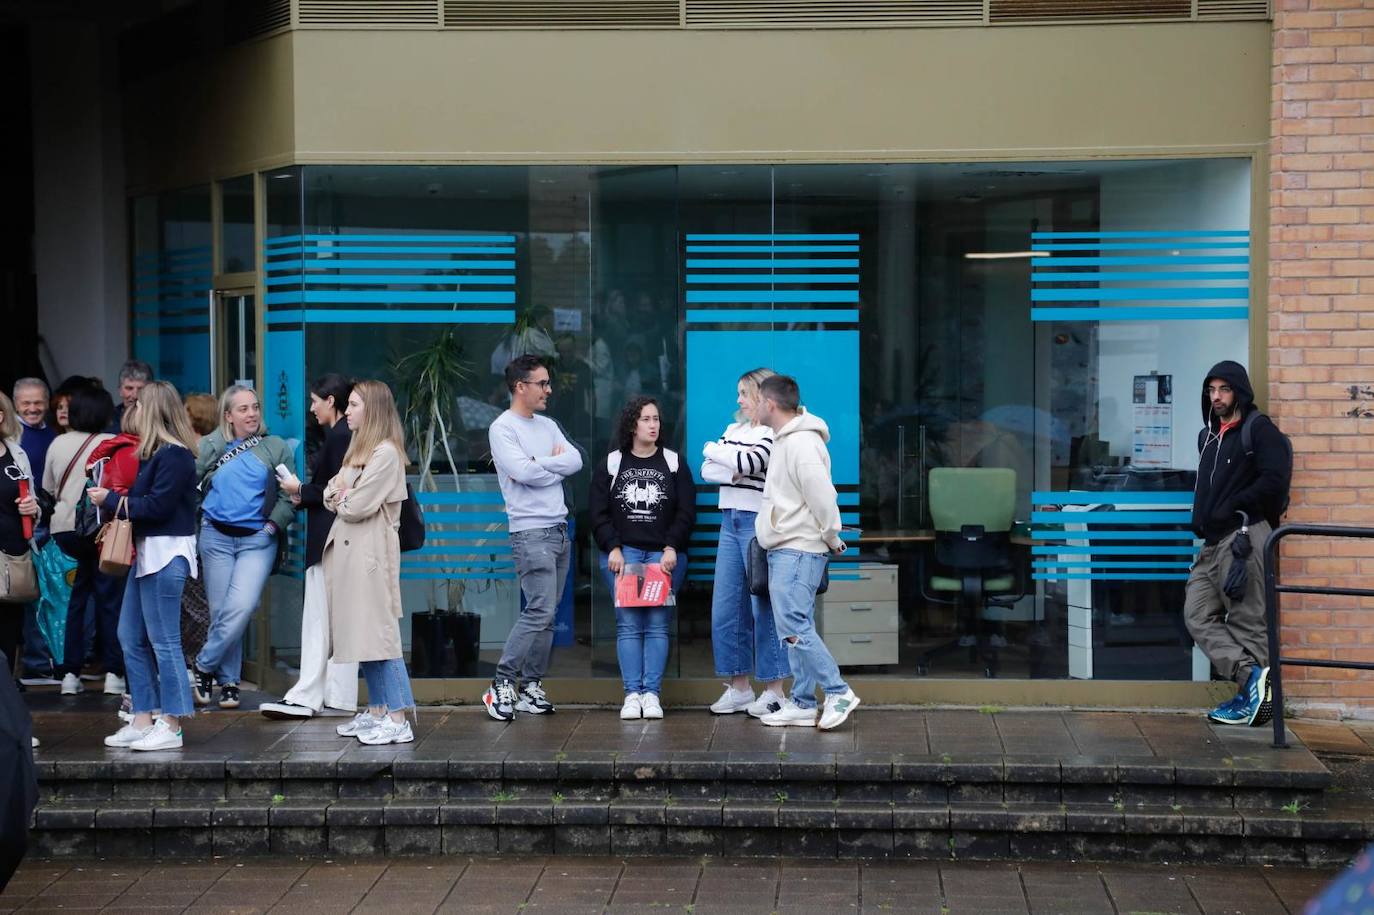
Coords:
532,458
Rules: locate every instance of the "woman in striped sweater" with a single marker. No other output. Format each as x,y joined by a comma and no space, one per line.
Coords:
743,636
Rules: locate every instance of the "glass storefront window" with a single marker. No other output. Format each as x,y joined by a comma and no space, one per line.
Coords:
171,279
236,225
992,344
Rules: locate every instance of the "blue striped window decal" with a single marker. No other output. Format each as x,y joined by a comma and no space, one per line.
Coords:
789,276
1187,286
467,537
402,278
1123,543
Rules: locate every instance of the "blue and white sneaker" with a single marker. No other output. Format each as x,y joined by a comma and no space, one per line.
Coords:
1253,707
1221,710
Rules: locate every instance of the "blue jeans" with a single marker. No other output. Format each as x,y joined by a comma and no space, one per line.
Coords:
235,570
388,684
108,594
743,637
793,577
36,655
150,631
642,634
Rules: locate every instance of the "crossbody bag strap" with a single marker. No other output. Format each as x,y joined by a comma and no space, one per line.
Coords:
246,445
72,463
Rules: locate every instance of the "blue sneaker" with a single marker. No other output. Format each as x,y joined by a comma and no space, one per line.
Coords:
1225,707
1252,707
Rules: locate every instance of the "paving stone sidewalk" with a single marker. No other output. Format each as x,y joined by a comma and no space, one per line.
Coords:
445,732
661,886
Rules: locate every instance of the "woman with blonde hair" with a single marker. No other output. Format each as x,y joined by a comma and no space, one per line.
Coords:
362,564
744,638
244,514
162,507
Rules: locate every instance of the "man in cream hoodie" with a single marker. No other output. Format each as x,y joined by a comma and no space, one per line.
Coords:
799,525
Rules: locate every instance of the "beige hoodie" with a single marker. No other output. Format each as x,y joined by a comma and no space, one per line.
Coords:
800,510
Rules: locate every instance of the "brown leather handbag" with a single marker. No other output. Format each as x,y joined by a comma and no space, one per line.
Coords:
116,542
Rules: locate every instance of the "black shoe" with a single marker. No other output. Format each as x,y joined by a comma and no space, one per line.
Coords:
285,711
204,686
533,701
228,697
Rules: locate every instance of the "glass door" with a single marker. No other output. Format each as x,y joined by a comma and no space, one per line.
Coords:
233,338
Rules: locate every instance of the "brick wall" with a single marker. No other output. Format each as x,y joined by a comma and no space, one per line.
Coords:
1321,329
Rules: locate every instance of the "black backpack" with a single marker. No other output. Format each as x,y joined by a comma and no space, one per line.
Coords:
412,527
1272,513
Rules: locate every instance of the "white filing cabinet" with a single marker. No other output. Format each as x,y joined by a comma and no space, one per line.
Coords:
858,617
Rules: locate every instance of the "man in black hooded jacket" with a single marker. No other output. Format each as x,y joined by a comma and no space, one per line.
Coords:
1236,486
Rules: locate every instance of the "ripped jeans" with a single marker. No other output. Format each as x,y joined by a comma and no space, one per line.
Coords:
793,577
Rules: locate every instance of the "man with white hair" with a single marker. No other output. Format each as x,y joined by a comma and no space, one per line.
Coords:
133,375
31,403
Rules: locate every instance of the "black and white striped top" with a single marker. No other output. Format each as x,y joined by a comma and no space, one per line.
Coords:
738,461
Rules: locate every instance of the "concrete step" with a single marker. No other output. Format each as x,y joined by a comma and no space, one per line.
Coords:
1278,809
897,783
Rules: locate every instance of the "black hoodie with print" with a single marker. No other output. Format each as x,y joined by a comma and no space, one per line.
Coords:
1228,480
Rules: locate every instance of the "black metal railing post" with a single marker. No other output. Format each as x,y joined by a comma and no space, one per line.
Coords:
1274,587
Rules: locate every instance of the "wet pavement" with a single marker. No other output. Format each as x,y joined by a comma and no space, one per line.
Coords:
521,886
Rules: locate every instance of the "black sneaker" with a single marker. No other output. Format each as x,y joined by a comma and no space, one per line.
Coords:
285,711
533,701
500,700
204,686
228,697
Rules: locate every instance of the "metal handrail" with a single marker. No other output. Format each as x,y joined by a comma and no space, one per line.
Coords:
1273,588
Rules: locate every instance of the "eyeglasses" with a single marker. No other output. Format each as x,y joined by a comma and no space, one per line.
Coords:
546,384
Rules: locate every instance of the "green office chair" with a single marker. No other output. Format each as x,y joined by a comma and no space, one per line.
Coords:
973,509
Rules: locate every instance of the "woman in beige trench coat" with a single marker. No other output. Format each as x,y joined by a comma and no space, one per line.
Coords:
362,564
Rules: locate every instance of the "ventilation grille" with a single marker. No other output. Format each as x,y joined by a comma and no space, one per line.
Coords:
1010,11
368,13
568,14
1233,9
830,13
255,18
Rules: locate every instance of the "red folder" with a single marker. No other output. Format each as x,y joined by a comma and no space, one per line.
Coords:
643,585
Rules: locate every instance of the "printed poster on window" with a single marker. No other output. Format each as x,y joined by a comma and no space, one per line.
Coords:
1153,440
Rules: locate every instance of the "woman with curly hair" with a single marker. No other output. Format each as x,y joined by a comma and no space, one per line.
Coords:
643,505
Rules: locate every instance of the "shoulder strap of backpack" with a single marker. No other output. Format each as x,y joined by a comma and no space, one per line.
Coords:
671,457
1247,432
613,463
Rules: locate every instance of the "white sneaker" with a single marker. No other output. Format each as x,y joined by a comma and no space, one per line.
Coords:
792,715
71,685
159,737
649,702
387,731
633,709
767,703
732,700
363,721
837,709
114,685
125,736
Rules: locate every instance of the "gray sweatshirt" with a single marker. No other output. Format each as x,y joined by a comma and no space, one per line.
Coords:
531,476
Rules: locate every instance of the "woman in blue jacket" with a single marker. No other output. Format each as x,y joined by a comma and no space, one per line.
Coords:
162,507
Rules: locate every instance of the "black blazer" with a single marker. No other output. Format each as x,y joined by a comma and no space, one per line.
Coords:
328,461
